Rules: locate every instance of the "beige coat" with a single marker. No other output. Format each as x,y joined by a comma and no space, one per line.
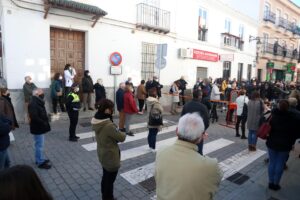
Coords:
141,92
181,173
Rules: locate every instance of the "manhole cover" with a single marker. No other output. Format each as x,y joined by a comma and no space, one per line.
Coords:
149,184
85,124
238,178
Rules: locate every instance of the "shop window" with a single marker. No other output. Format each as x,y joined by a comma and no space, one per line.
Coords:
148,60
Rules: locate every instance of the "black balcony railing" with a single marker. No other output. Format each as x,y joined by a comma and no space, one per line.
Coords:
270,16
283,23
278,50
153,18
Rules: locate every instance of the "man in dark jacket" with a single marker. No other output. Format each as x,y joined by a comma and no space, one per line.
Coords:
73,106
87,90
28,87
120,106
154,84
5,128
39,125
182,87
99,91
196,106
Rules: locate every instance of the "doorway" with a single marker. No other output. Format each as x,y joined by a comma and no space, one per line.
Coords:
226,69
201,73
67,47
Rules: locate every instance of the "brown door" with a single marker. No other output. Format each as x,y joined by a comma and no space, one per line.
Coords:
67,47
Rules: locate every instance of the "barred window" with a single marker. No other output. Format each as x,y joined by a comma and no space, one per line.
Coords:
148,60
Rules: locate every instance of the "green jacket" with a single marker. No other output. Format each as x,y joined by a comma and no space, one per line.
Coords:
107,137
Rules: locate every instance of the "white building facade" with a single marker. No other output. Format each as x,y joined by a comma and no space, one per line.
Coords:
205,38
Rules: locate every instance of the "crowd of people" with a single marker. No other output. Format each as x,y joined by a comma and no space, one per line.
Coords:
244,102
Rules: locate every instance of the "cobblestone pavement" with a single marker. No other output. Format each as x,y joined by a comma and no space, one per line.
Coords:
76,172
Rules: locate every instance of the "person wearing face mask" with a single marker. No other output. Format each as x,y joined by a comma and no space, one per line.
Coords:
56,93
69,75
87,90
7,108
130,108
73,107
107,136
28,87
99,91
39,125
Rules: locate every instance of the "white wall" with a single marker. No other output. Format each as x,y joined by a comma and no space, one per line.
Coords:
27,43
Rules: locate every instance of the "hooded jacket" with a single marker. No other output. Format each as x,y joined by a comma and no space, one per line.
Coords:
107,137
151,101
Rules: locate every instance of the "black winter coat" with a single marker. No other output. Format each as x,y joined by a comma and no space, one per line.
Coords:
154,84
120,99
100,92
284,130
39,122
5,128
87,84
196,106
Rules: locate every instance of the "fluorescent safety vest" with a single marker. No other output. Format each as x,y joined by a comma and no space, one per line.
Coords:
75,97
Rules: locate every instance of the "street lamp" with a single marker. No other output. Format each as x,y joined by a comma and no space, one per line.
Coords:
258,45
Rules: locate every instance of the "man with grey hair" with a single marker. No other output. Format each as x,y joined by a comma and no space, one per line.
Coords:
28,87
293,107
120,106
180,171
39,125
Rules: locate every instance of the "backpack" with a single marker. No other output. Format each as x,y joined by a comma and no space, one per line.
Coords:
155,117
171,90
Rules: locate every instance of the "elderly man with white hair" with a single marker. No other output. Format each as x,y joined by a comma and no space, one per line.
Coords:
181,172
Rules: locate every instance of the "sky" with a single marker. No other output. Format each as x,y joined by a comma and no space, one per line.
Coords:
297,2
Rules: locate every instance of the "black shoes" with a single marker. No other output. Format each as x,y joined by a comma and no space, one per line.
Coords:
91,108
130,133
243,137
73,139
45,165
237,135
274,187
122,130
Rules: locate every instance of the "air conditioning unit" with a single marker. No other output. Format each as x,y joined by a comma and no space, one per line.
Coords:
185,53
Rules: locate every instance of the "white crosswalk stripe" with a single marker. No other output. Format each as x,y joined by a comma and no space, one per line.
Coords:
93,146
140,174
132,127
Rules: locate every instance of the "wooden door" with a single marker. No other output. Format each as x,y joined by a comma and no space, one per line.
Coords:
67,47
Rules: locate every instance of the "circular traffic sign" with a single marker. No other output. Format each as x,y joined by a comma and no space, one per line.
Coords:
115,59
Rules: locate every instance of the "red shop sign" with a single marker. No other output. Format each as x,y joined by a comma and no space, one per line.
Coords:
205,55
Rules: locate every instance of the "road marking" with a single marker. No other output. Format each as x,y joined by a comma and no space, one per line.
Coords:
132,127
238,161
142,173
11,136
93,146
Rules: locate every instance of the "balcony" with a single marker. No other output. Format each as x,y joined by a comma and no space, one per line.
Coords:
287,53
153,18
232,42
283,23
270,16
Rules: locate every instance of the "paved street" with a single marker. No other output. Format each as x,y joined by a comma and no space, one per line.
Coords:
76,172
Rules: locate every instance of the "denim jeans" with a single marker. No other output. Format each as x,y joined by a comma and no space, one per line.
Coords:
252,138
276,165
4,159
200,147
152,137
39,146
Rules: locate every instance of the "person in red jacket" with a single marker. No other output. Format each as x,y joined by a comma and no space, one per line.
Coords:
130,107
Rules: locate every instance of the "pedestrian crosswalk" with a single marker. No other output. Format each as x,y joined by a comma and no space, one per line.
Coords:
229,166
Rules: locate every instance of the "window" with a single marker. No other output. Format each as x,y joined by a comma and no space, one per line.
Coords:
202,25
155,3
240,72
249,72
148,60
259,73
227,25
278,15
241,32
226,69
286,17
267,8
265,41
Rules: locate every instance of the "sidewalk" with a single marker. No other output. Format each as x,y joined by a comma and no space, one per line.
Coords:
257,187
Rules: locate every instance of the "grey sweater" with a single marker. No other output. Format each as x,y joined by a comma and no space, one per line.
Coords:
255,110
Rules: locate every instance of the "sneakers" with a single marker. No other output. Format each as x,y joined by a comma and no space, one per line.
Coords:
130,133
140,113
44,165
152,150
